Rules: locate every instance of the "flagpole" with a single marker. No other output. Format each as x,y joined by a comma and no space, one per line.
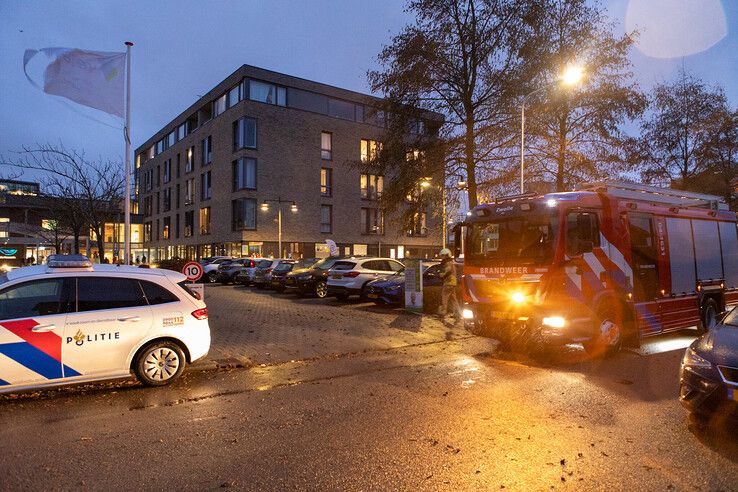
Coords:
127,136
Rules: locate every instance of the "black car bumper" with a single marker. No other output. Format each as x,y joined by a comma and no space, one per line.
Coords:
385,296
703,393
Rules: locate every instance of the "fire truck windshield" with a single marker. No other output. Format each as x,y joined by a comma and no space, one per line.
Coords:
520,240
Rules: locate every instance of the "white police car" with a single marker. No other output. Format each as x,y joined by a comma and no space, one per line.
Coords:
70,322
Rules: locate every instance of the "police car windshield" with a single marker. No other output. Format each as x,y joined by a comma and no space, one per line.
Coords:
514,240
732,318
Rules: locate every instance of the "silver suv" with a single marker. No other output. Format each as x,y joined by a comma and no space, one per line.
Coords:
349,277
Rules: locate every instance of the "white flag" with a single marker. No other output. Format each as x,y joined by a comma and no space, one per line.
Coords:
91,78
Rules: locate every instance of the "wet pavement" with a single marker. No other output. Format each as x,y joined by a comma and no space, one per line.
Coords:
438,414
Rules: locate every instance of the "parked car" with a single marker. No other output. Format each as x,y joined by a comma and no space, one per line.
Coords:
279,274
263,273
708,377
70,321
228,270
313,280
390,290
246,274
210,268
350,277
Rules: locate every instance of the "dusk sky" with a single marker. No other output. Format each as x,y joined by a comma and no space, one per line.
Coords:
184,48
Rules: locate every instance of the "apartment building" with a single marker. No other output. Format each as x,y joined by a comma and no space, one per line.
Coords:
213,180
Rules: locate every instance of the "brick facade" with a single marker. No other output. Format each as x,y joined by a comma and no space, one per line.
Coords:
288,156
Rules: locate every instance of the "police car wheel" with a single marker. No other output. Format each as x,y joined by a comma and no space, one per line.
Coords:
159,363
211,277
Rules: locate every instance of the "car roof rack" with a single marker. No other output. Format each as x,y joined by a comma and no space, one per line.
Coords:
653,194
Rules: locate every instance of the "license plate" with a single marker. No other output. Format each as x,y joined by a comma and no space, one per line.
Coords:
373,296
290,281
337,277
503,315
733,394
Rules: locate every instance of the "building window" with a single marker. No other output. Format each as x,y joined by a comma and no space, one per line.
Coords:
179,161
267,93
181,131
207,147
244,214
244,134
176,226
167,170
189,191
244,174
147,207
4,226
178,197
167,199
205,188
219,105
157,229
161,145
370,149
372,221
189,223
326,218
158,202
326,146
205,221
234,96
326,181
158,176
149,179
147,231
371,186
418,226
189,164
167,227
172,138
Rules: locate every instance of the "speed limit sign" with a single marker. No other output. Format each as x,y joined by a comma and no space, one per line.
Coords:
193,271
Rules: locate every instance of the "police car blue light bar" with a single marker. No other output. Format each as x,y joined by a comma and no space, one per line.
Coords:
68,261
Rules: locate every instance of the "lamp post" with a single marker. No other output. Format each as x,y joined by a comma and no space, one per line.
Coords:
376,230
426,183
279,201
571,76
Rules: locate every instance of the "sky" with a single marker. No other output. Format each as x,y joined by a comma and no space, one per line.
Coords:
183,48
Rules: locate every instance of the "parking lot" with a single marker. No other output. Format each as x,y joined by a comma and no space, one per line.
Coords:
265,327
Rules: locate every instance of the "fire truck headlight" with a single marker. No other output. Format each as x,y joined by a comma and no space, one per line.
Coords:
467,313
517,297
554,321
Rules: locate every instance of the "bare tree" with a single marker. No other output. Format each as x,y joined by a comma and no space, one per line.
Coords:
96,186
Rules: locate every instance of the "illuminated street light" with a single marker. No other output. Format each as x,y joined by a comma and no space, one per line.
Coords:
571,75
279,202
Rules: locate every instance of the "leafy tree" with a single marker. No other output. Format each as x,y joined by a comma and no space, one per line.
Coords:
459,58
689,134
574,134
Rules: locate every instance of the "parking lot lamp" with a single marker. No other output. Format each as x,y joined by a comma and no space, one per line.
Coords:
279,201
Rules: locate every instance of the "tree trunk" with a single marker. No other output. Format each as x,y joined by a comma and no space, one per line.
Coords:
76,241
469,151
561,157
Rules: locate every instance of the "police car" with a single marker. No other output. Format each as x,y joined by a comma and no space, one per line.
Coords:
71,322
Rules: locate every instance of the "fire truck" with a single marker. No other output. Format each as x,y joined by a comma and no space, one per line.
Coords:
608,264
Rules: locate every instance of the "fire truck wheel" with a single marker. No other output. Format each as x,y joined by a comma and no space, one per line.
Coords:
608,336
709,316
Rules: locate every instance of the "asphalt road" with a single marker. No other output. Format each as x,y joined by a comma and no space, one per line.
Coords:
450,415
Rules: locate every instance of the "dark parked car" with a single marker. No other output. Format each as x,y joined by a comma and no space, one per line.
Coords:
391,290
708,377
307,281
228,270
279,274
265,269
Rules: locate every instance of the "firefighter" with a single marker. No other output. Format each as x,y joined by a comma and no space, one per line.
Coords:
448,293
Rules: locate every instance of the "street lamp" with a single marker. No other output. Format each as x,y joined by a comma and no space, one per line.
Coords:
376,230
571,75
279,202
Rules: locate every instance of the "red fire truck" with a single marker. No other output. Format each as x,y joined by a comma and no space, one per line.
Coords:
609,264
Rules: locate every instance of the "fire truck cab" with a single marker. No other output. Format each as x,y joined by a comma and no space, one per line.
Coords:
609,264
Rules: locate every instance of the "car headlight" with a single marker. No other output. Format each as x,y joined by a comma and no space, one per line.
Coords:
394,288
691,359
467,313
554,321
